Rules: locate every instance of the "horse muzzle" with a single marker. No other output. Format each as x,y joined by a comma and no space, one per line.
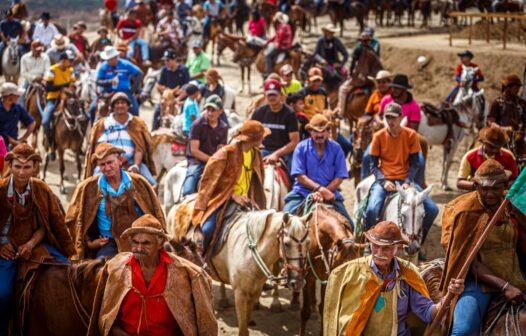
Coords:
412,248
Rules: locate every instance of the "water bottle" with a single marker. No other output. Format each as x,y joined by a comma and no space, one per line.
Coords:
115,82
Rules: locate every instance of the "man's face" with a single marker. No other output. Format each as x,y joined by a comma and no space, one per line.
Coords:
491,150
328,35
491,196
272,98
513,90
397,92
10,99
465,60
22,172
120,107
393,123
287,78
145,246
299,106
212,114
316,84
113,61
382,85
320,137
110,165
45,22
171,63
196,50
132,16
36,52
65,63
383,255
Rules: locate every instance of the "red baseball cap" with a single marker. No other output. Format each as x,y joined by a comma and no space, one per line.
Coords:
272,86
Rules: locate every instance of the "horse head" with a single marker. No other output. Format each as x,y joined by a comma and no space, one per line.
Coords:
363,134
12,51
411,215
294,240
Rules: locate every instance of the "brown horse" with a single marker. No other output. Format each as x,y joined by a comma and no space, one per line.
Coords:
35,103
517,145
425,8
70,128
331,244
213,34
63,295
298,20
267,11
103,106
226,41
363,135
244,56
295,58
338,14
20,11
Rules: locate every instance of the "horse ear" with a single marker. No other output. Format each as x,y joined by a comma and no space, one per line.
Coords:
306,218
426,191
286,217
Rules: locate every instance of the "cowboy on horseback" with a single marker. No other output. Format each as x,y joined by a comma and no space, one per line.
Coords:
214,11
104,205
460,74
31,227
45,31
508,110
494,141
281,42
318,168
11,113
395,159
382,81
373,295
233,176
129,30
329,48
59,76
497,269
169,30
33,67
151,291
11,28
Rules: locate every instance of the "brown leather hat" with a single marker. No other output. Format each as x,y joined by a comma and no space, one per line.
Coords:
119,96
318,123
104,149
490,173
386,233
252,130
511,80
23,153
493,136
145,224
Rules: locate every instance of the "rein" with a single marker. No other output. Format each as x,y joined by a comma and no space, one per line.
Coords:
413,220
511,317
74,125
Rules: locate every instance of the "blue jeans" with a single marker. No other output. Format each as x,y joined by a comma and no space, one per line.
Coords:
22,99
156,117
208,228
109,250
294,199
145,50
377,196
51,104
192,178
345,144
143,171
8,271
287,158
366,166
59,257
470,310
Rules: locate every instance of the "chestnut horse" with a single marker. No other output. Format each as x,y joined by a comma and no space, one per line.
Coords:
35,103
338,14
363,135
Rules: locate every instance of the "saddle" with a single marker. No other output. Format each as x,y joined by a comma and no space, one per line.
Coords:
442,115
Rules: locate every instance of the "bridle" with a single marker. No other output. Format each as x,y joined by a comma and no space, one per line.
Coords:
414,236
74,121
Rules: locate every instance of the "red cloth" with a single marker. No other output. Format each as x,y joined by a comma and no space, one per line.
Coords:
128,27
476,158
478,75
111,5
79,42
283,37
257,28
156,318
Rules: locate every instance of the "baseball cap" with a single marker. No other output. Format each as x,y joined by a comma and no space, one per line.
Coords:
170,54
272,86
315,74
286,69
214,101
393,110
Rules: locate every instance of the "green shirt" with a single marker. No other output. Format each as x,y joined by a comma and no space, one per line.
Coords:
196,64
294,86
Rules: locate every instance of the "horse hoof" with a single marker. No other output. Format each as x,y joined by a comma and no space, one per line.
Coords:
276,308
294,306
251,323
224,304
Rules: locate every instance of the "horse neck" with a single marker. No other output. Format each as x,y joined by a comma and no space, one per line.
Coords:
266,238
329,226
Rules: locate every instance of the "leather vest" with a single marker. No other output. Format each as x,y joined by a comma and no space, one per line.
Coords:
121,210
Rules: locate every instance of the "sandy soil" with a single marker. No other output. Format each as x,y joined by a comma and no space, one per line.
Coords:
431,83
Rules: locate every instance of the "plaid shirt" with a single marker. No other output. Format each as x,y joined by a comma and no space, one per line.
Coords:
22,199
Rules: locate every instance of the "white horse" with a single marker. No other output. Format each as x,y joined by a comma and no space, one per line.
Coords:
87,85
256,241
151,78
469,100
405,208
11,61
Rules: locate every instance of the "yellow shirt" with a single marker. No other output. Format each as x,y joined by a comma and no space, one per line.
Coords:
294,86
243,182
59,77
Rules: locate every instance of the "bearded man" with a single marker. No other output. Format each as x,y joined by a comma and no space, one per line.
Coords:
373,295
31,226
151,291
497,267
105,205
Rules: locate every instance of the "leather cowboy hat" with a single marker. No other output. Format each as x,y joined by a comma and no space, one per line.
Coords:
23,153
490,173
318,123
511,80
493,136
145,224
281,17
252,130
9,88
60,41
400,81
386,233
119,96
382,74
329,28
104,149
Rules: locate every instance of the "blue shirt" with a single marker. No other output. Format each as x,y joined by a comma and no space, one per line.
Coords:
182,10
124,70
190,108
9,120
172,79
104,222
305,161
11,28
213,8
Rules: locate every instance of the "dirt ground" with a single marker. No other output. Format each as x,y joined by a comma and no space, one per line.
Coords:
431,84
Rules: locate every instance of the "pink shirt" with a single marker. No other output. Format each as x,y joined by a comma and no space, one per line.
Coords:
257,28
410,110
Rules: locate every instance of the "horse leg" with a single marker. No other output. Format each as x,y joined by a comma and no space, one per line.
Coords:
79,165
46,162
242,311
242,89
309,293
60,153
223,300
295,302
276,307
321,305
443,178
248,80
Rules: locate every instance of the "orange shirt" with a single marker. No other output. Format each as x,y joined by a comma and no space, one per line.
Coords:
373,105
394,152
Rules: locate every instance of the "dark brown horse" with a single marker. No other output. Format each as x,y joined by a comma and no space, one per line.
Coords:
363,135
35,104
226,41
20,11
244,56
70,125
331,244
424,6
338,14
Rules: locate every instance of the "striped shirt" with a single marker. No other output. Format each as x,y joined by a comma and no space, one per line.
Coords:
117,135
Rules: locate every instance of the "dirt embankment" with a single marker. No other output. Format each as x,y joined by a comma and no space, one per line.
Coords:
516,31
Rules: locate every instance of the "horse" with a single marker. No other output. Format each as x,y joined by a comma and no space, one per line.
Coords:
11,61
70,128
256,241
298,19
103,106
244,56
225,41
333,78
20,11
87,86
405,208
276,186
295,57
62,298
35,103
332,244
106,20
425,7
239,16
363,135
338,13
150,79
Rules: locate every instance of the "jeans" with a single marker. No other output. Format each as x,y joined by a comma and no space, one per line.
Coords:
208,228
269,59
345,144
452,94
192,178
8,272
47,117
366,166
145,50
109,250
377,196
59,257
287,158
22,99
156,117
470,310
294,199
143,171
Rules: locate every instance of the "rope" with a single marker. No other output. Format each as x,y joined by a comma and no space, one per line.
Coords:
83,314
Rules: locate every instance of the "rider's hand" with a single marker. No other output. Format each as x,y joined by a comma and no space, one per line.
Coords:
317,197
405,186
97,243
7,251
389,186
456,286
271,159
513,294
328,196
25,250
134,169
241,200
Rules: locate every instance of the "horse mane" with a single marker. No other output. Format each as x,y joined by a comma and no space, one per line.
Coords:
339,217
86,270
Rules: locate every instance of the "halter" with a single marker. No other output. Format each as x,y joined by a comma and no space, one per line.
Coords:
412,205
75,124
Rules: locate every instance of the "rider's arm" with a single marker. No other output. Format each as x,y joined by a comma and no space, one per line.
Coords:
28,132
375,168
196,152
341,48
289,148
137,82
50,86
482,273
137,157
335,184
458,73
413,168
355,57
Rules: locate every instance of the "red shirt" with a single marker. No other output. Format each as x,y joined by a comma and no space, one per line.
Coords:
283,37
128,27
478,75
111,5
475,157
257,28
156,319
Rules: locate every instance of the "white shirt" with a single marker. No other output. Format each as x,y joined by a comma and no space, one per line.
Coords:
32,67
45,34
